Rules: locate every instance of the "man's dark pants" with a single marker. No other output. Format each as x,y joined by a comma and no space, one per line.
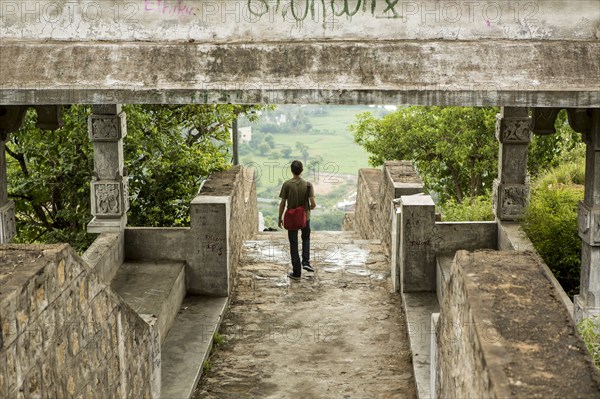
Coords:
293,237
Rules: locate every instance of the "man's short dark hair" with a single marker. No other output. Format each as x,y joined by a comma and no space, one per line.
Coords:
297,167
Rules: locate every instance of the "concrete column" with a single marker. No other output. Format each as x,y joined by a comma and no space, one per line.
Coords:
417,249
7,208
511,188
208,271
109,188
587,303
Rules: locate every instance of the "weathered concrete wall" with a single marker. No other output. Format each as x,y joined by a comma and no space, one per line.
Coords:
438,72
376,189
399,178
431,52
258,20
366,218
223,215
157,243
64,333
503,333
105,255
450,237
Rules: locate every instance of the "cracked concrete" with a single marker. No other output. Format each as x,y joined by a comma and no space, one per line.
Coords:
338,332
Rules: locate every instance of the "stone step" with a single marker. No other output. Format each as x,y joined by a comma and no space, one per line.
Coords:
188,344
419,306
153,289
443,265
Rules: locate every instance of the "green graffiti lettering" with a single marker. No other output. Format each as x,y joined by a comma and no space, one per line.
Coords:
346,9
391,6
306,7
263,5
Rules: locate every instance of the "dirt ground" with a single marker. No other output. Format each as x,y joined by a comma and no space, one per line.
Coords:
336,333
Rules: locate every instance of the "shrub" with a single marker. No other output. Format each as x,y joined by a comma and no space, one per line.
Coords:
475,208
550,221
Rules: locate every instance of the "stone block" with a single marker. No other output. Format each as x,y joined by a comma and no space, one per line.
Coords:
417,251
509,200
110,199
208,269
513,130
107,127
512,164
8,225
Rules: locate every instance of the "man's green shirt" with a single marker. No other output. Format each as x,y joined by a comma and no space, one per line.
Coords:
294,192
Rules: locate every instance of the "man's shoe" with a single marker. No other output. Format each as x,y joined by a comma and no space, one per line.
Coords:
308,268
293,276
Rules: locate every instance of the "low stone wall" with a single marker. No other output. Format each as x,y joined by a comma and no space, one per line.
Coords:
512,237
366,215
105,255
453,236
399,178
376,191
64,333
223,215
503,333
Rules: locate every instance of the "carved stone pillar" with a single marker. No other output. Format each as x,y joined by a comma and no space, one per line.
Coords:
7,208
109,188
587,303
511,188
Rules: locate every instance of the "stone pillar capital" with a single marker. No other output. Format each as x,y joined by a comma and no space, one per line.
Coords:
513,130
107,127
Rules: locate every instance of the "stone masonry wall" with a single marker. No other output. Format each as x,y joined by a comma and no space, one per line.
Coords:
243,221
504,333
65,334
366,211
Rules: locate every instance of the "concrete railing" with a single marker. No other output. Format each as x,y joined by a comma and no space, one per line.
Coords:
105,255
223,215
375,194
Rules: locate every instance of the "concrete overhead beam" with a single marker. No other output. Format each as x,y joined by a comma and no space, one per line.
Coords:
507,73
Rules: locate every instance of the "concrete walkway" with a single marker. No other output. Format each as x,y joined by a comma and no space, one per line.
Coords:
336,333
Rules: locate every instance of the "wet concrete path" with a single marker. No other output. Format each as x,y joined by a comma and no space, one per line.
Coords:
336,333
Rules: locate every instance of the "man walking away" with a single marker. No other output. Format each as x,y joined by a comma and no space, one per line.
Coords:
295,192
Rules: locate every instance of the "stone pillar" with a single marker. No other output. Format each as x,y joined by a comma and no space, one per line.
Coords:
417,249
109,188
511,188
587,303
7,208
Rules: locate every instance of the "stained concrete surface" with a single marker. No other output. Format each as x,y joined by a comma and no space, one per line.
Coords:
188,344
338,332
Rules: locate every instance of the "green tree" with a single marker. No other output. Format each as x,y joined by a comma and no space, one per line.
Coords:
453,148
168,150
263,149
303,148
270,140
286,152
